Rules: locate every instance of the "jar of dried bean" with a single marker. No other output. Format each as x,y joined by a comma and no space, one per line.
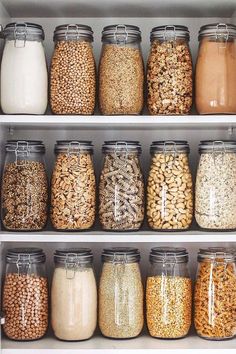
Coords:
215,193
121,187
73,71
170,187
25,294
73,186
168,293
24,186
121,71
169,71
121,294
215,294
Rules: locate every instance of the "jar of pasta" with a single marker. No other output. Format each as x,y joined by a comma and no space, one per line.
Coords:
121,187
215,294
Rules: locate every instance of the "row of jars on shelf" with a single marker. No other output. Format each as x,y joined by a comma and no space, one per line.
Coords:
168,294
169,191
24,75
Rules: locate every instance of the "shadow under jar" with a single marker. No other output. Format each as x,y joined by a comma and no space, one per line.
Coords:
169,71
121,187
73,186
24,186
121,294
73,71
25,294
121,71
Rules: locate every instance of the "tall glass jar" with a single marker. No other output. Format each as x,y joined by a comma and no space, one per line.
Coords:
121,187
24,196
73,71
73,295
215,294
121,294
25,294
215,190
168,293
216,69
73,186
169,71
121,71
170,187
24,76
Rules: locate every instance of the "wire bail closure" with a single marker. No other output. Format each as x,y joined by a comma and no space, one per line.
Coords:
18,34
220,150
219,35
23,260
172,264
21,150
72,262
74,28
170,33
121,34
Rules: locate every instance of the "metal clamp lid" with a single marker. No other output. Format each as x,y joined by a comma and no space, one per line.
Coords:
217,146
121,33
74,256
23,31
168,255
170,32
122,145
121,255
25,256
169,146
215,254
73,32
73,146
219,31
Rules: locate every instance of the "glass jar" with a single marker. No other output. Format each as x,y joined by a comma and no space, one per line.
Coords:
121,293
74,295
24,186
121,71
24,76
215,190
73,71
169,71
170,187
215,294
25,294
73,186
216,69
121,187
168,293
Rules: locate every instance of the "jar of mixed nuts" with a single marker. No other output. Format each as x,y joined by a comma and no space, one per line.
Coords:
73,186
73,71
121,294
25,294
121,71
215,294
168,293
215,193
169,71
24,186
170,187
121,187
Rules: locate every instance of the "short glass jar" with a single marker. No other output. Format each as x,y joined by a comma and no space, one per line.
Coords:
168,293
73,186
169,71
121,187
216,69
73,71
25,294
215,294
215,190
73,295
121,294
121,71
24,196
170,186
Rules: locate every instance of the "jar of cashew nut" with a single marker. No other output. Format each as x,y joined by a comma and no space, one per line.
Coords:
170,186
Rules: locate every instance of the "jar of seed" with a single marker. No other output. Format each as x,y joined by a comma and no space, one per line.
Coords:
73,71
121,294
168,293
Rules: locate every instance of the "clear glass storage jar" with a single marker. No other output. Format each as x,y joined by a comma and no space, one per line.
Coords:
215,189
121,71
215,294
121,294
73,186
168,293
25,294
24,76
121,187
169,71
170,187
216,69
73,295
73,71
24,186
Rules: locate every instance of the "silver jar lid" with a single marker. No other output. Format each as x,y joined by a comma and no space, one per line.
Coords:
218,31
73,146
170,146
121,33
121,255
170,32
74,256
25,146
216,253
73,32
215,146
23,31
122,146
168,255
25,255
